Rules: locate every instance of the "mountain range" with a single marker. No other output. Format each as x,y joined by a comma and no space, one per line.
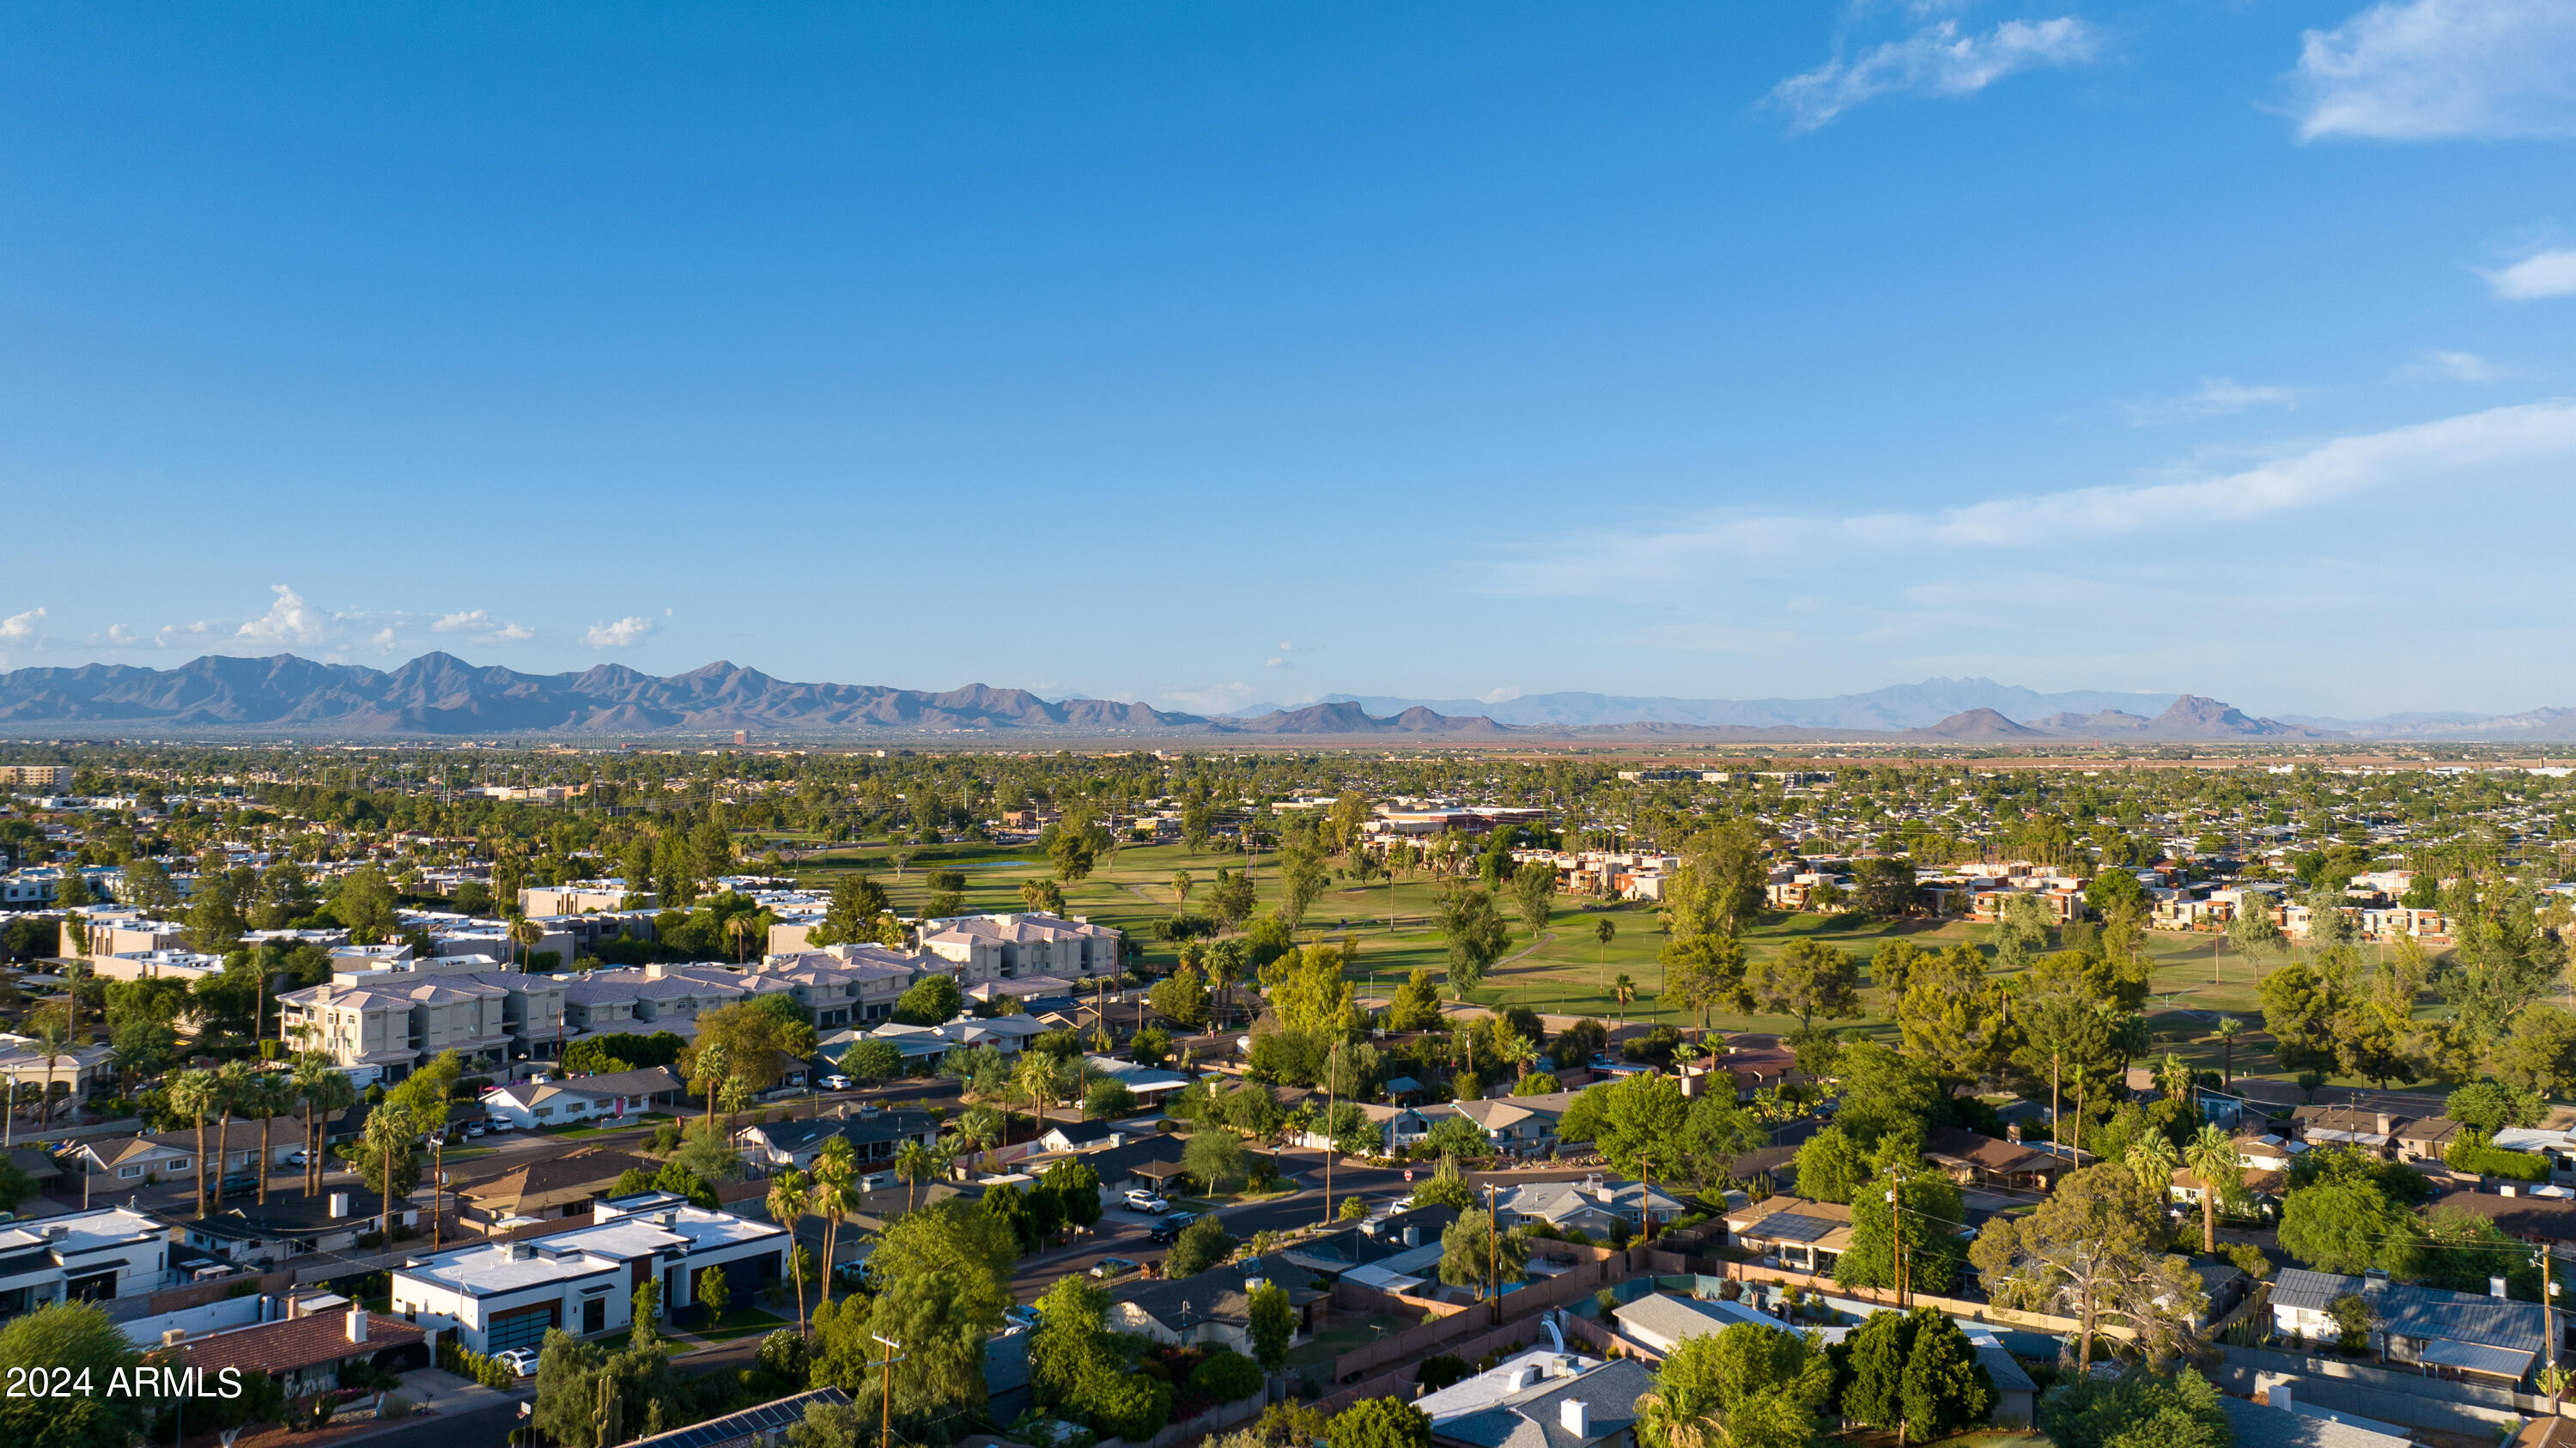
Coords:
440,695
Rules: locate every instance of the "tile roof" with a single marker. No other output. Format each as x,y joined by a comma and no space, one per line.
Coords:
299,1342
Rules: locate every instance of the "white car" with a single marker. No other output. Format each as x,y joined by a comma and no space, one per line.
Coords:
1145,1201
498,1124
518,1360
836,1083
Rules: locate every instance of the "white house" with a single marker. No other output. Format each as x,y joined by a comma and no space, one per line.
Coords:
84,1256
508,1294
528,1104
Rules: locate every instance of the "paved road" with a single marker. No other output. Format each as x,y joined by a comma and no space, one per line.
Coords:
479,1427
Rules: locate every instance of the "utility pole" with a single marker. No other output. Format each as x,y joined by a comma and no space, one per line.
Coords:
437,1183
885,1394
2549,1324
1493,1256
1332,1085
1896,1233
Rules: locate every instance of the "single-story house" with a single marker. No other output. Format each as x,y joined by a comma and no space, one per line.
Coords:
1398,1127
123,1163
873,1136
1793,1232
291,1225
1213,1307
2487,1339
528,1104
306,1353
1541,1399
1974,1160
2281,1423
557,1186
1594,1206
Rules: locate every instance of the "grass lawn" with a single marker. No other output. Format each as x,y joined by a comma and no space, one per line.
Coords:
1332,1342
744,1322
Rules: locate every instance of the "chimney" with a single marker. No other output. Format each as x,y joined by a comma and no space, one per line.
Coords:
1412,1236
2505,1189
2375,1280
357,1324
2495,1288
2383,1123
339,1205
171,1336
1574,1417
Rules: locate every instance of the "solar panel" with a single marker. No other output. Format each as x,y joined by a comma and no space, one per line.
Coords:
777,1413
1791,1227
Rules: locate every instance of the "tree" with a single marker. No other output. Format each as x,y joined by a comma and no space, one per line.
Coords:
1042,896
1807,980
1301,879
851,917
1885,886
1466,917
791,1196
1416,1004
713,1295
1832,1167
2488,1107
2095,1241
2213,1158
1077,1188
1945,1389
1473,1253
77,1339
872,1060
1182,996
196,1094
1109,1101
1747,1386
1875,1397
1214,1158
934,1000
323,1089
1379,1423
2539,1055
2300,1010
2136,1410
1201,1245
1706,972
1446,1188
365,904
1534,895
946,1272
1274,1324
1951,1014
1636,1122
2347,1226
1885,1091
1929,1229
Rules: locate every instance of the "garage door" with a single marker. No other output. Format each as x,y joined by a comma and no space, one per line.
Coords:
521,1327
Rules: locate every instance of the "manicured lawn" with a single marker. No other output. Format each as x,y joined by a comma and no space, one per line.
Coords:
1329,1344
743,1322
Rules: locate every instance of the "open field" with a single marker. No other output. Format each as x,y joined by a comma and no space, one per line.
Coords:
1567,970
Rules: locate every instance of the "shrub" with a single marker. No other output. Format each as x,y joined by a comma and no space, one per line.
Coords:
1440,1372
2496,1162
1226,1376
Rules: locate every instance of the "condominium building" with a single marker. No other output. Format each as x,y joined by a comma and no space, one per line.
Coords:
998,947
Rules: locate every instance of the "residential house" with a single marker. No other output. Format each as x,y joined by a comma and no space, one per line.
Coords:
306,1353
1793,1232
1007,1034
2282,1423
2425,1138
1518,1125
1147,1163
1371,1243
1541,1399
579,1098
2448,1334
1213,1307
760,1426
874,1136
2558,1148
1151,1085
288,1225
75,1069
1659,1322
1594,1206
1398,1127
88,1256
1971,1159
509,1294
123,1163
2372,1131
556,1186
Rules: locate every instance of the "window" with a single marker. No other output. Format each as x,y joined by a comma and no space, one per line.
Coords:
181,1163
129,1171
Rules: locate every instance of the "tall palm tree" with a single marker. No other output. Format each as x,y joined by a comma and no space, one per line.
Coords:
524,933
915,1163
1623,990
233,1088
1036,1077
326,1091
2228,1029
271,1094
791,1195
48,1038
739,930
1678,1415
195,1093
390,1132
2212,1158
2151,1158
707,1071
836,1194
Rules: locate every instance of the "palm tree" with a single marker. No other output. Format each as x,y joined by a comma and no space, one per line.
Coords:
707,1071
195,1093
1037,1077
2228,1029
915,1163
738,929
2151,1158
271,1095
390,1130
981,1127
790,1196
2213,1159
325,1090
48,1039
524,932
1604,930
233,1088
836,1194
1675,1416
1623,990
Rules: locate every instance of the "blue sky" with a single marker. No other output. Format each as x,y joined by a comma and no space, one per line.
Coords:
1210,354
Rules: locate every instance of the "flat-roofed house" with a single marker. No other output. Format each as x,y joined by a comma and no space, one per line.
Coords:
1793,1232
91,1256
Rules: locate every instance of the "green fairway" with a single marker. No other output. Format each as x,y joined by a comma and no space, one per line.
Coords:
1567,971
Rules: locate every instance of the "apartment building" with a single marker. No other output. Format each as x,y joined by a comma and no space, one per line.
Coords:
401,1016
582,897
112,930
998,947
40,776
849,985
658,997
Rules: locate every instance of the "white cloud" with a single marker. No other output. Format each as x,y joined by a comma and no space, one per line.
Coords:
2439,69
2543,274
625,633
2217,397
1935,60
2449,367
1275,662
384,638
288,621
171,633
1503,695
484,627
21,627
2433,459
1212,699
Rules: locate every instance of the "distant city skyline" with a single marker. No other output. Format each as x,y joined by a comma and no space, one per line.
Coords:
1217,358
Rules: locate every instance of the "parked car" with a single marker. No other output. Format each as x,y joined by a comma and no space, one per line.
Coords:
241,1181
1141,1200
518,1360
1170,1228
299,1157
475,1128
1111,1268
1022,1313
498,1124
836,1082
